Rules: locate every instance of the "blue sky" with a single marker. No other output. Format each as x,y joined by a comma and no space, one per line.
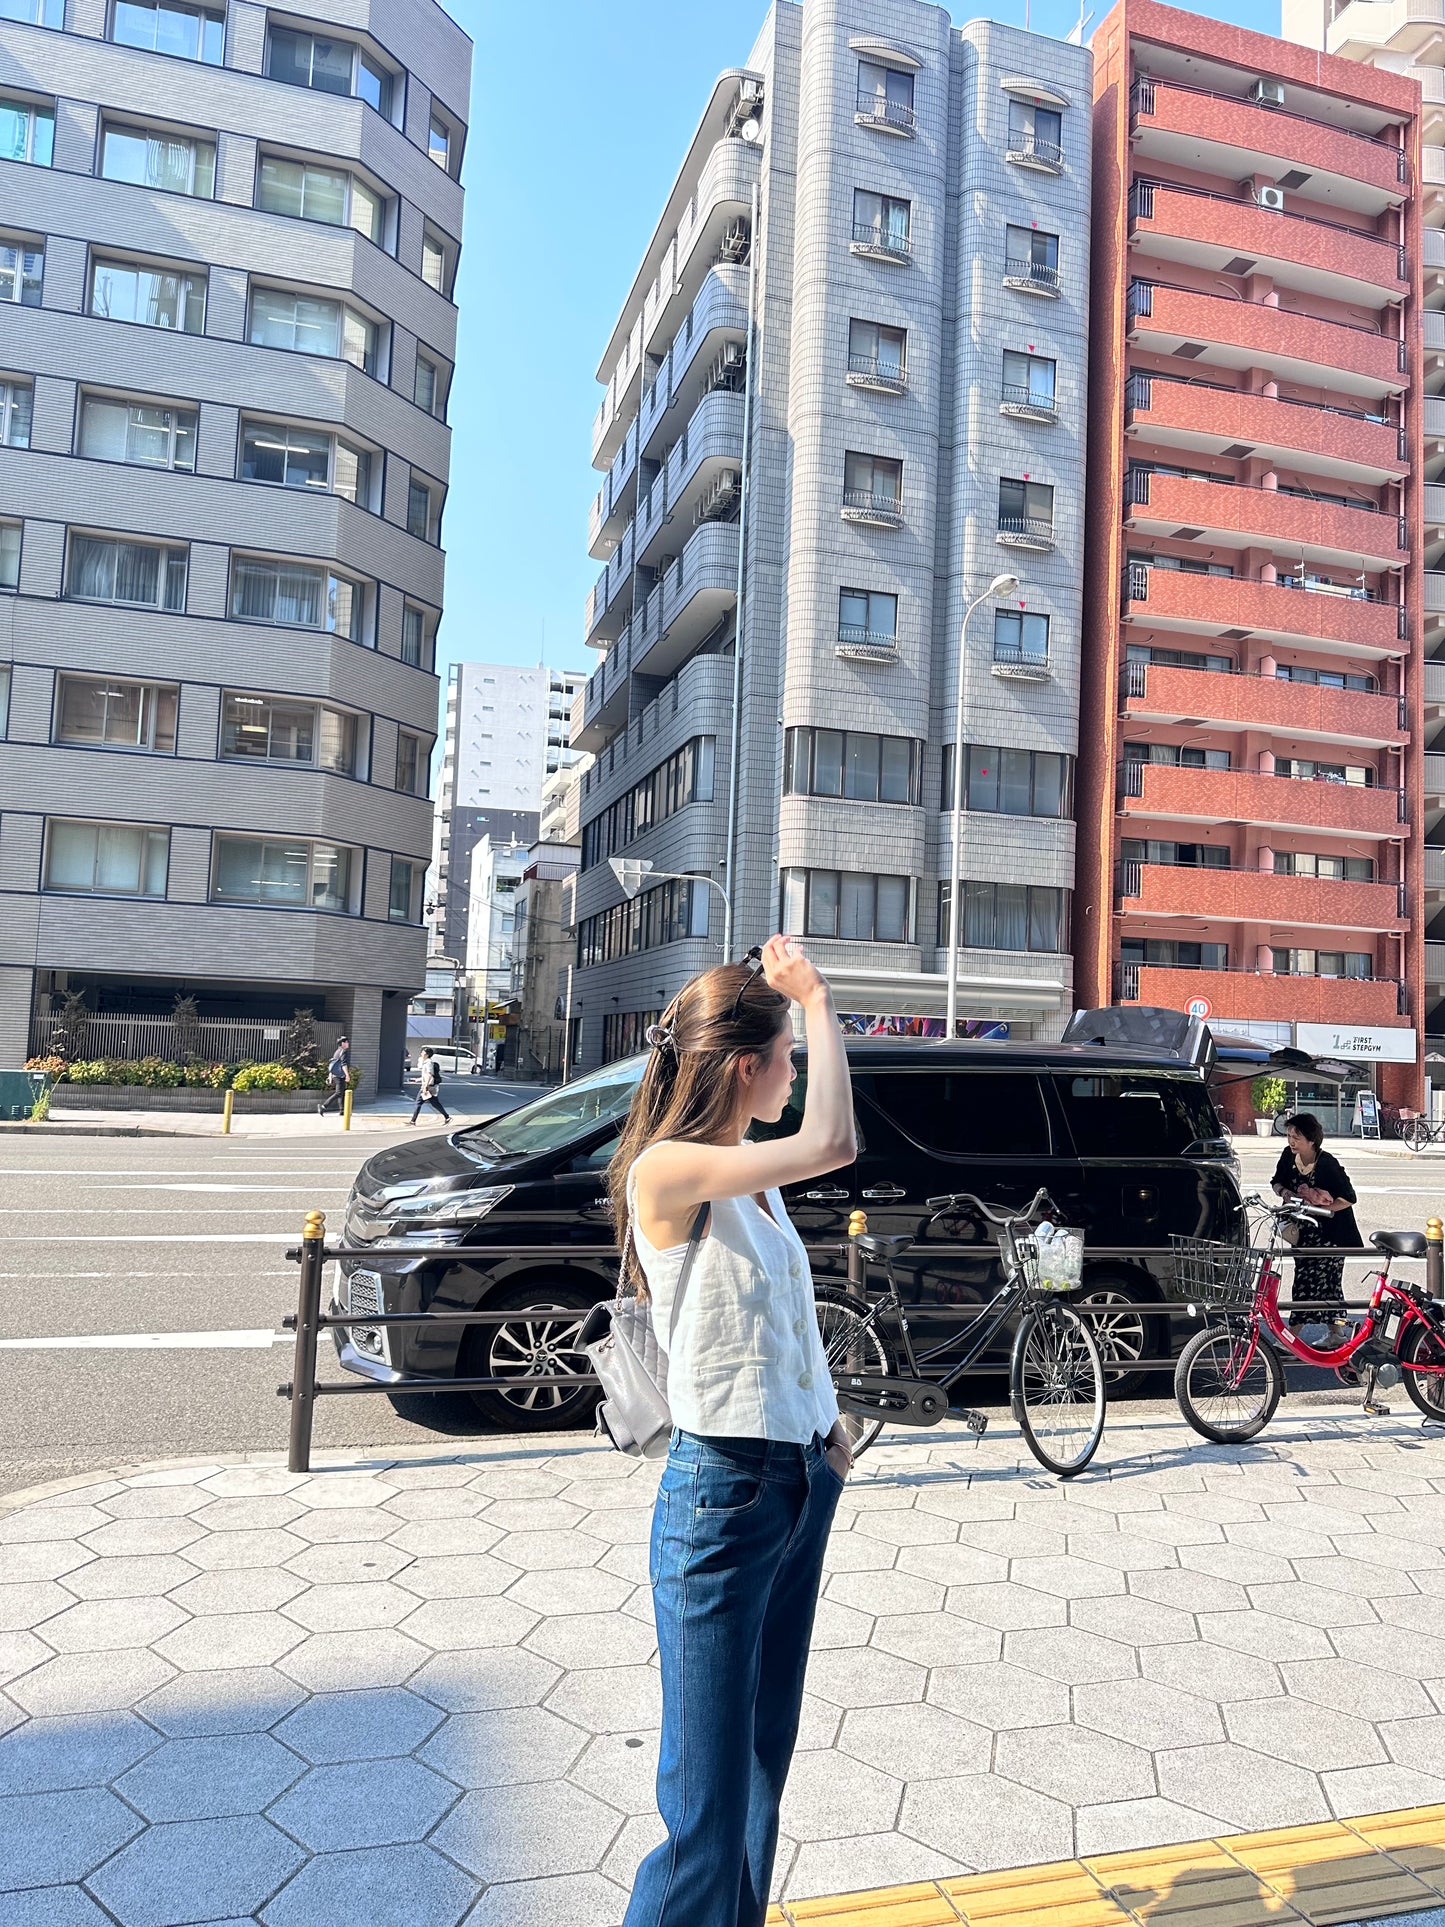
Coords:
580,116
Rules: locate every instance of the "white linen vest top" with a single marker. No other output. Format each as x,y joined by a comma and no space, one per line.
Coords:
746,1359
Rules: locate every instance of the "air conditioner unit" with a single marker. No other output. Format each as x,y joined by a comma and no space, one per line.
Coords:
1269,93
1271,197
721,498
732,354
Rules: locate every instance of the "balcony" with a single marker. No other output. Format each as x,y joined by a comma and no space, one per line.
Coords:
1031,277
1029,150
1435,685
881,244
1024,404
614,501
875,509
713,355
888,116
1215,796
1434,320
1176,412
857,644
1433,591
883,377
1434,962
1297,250
1434,509
1433,778
1329,620
1235,138
1233,515
1361,29
1242,995
1434,870
1225,332
689,600
1257,896
1155,692
611,596
1035,532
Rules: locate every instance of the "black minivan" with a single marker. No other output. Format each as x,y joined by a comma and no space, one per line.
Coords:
1126,1141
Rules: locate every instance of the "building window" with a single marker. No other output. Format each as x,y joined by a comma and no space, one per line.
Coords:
851,763
1177,856
848,905
191,33
878,353
9,555
285,873
173,162
27,131
1020,637
1035,134
436,263
278,729
410,763
403,891
427,388
1362,775
297,594
1028,380
439,144
867,616
1177,755
685,777
304,324
624,1033
1026,509
329,66
35,13
885,95
309,192
15,408
106,859
4,701
1359,964
1325,678
1008,916
100,712
417,638
872,482
1149,652
881,223
137,575
668,913
22,268
145,434
421,520
1174,955
307,458
1335,869
1031,257
1010,782
154,297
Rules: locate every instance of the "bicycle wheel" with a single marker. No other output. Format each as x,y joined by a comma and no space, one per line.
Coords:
1417,1133
1422,1347
852,1345
1056,1388
1225,1390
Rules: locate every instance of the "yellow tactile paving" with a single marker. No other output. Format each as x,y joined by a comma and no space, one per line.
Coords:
1323,1874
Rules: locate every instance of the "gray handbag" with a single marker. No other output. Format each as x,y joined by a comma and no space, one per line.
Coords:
621,1341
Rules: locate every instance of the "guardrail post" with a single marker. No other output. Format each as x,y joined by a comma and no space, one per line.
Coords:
303,1370
346,1110
1435,1258
857,1263
226,1109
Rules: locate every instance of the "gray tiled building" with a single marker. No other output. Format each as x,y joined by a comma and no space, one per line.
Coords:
906,206
227,244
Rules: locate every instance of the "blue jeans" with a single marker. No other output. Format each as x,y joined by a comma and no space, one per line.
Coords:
737,1554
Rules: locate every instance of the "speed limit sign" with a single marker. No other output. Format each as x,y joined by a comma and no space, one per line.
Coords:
1199,1007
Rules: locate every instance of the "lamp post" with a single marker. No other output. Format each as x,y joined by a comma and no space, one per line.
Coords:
633,871
1002,585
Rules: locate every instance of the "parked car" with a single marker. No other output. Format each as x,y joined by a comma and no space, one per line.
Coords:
456,1060
1127,1142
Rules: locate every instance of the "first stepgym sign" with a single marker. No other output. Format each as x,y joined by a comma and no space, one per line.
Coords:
1385,1045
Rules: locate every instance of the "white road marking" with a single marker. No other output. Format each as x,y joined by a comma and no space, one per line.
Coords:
157,1238
228,1341
82,1277
148,1170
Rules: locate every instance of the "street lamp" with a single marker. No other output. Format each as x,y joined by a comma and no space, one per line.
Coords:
1002,585
633,871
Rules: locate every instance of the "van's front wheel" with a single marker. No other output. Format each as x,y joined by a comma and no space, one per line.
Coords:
539,1343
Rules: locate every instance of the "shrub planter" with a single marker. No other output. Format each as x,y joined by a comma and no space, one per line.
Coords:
133,1097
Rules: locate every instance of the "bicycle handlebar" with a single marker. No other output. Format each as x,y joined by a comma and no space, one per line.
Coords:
1037,1202
1287,1210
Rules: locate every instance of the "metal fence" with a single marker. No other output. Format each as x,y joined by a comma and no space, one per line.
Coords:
229,1040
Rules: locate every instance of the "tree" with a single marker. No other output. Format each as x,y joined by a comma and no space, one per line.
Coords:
186,1016
298,1044
72,1020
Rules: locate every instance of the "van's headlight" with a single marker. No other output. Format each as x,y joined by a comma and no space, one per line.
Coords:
446,1207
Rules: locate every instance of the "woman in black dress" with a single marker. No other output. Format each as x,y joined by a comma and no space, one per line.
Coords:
1308,1172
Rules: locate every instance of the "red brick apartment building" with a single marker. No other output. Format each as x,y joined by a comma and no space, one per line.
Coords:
1249,782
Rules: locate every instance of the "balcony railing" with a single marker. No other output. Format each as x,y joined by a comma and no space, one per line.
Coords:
1141,208
1142,101
867,505
1012,656
866,645
1140,303
1029,150
884,242
1434,963
1134,679
1129,882
1026,531
1435,682
873,110
1136,493
1138,393
1127,976
1032,277
1435,869
867,371
1019,399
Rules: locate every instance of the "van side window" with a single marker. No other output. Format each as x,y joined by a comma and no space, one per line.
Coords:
966,1114
788,1125
1135,1114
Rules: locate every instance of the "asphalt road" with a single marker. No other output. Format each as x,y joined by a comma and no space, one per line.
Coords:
143,1284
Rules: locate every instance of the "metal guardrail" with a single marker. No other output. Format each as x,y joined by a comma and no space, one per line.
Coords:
309,1320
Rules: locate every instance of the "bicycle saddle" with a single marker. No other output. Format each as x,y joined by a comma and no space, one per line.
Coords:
1400,1244
874,1245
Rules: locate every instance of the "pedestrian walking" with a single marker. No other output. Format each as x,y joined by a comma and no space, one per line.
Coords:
758,1453
428,1087
338,1075
1310,1173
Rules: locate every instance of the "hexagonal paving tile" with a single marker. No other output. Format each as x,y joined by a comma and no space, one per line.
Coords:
1312,1736
448,1625
914,1742
864,1676
1121,1825
1264,1636
209,1779
329,1491
1191,1592
1008,1607
126,1538
106,1625
936,1639
504,1748
350,1609
1315,1605
999,1696
251,1481
616,1528
42,1559
221,1640
1147,1713
982,1821
581,1899
1137,1622
383,1723
464,1575
90,1749
443,1538
231,1551
507,1833
569,1589
883,1593
1067,1577
363,1803
338,1662
1246,1565
609,1699
440,1502
831,1797
352,1523
1124,1551
147,1575
54,1907
1369,1692
361,1889
28,1602
239,1700
951,1565
1245,1789
354,1562
55,1837
533,1515
482,1678
1067,1653
621,1769
252,1589
1072,1764
154,1502
906,1527
197,1870
89,1682
1417,1743
34,1522
833,1625
1212,1672
598,1639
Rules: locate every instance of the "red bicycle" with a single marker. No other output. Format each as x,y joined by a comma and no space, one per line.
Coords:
1230,1377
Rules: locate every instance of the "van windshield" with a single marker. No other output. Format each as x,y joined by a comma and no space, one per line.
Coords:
552,1122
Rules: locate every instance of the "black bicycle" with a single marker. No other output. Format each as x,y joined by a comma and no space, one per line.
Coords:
1056,1375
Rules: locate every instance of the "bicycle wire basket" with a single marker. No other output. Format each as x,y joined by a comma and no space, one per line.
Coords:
1058,1268
1219,1273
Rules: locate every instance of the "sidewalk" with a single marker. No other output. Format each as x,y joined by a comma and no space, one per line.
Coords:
409,1692
470,1100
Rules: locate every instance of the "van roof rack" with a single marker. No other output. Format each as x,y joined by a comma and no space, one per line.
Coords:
1145,1027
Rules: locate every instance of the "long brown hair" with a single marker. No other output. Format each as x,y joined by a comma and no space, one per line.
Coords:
690,1086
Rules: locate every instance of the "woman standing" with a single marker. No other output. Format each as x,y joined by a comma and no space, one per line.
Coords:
758,1454
1308,1172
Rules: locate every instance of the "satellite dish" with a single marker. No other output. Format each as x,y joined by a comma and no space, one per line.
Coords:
751,130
